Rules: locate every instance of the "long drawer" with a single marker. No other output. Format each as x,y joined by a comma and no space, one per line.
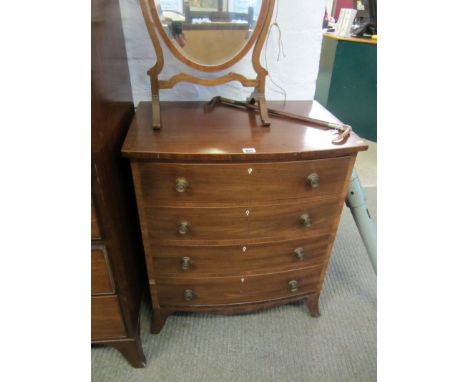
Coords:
176,291
101,276
193,261
207,183
274,222
106,319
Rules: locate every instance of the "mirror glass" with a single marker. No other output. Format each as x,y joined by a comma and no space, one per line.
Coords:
208,32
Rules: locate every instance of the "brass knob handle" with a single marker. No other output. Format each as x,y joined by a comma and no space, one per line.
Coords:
181,184
305,220
183,228
293,286
299,253
188,295
313,180
186,263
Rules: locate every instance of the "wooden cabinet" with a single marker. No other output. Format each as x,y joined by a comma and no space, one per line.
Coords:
117,262
229,232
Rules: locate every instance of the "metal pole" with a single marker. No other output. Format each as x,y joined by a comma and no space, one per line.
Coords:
356,201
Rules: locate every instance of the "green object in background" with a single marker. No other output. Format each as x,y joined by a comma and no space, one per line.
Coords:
347,83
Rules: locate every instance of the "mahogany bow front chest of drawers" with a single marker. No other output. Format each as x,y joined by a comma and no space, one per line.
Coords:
236,217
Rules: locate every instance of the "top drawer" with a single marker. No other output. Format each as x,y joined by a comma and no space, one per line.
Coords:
167,182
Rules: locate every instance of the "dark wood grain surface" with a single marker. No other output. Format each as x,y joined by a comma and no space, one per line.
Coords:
106,318
95,230
191,133
260,222
235,289
218,183
219,260
101,275
113,318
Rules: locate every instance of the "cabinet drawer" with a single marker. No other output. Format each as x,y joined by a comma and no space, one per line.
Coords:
106,319
190,261
237,289
163,182
101,277
272,222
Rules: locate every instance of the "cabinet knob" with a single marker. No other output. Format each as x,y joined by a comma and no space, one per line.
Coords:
188,295
313,180
299,253
186,263
183,228
293,286
305,220
181,184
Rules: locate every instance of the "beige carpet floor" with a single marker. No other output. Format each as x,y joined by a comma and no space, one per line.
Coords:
280,344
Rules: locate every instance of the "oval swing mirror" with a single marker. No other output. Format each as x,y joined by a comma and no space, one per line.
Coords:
209,35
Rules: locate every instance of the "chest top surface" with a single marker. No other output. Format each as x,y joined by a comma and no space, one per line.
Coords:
190,133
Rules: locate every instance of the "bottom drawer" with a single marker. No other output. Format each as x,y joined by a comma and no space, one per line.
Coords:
106,319
176,291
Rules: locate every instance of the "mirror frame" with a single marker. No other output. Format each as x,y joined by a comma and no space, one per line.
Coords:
209,68
155,29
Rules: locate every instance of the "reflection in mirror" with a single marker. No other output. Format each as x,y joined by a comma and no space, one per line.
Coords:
208,32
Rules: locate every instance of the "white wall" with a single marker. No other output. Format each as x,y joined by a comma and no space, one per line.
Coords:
301,26
330,7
